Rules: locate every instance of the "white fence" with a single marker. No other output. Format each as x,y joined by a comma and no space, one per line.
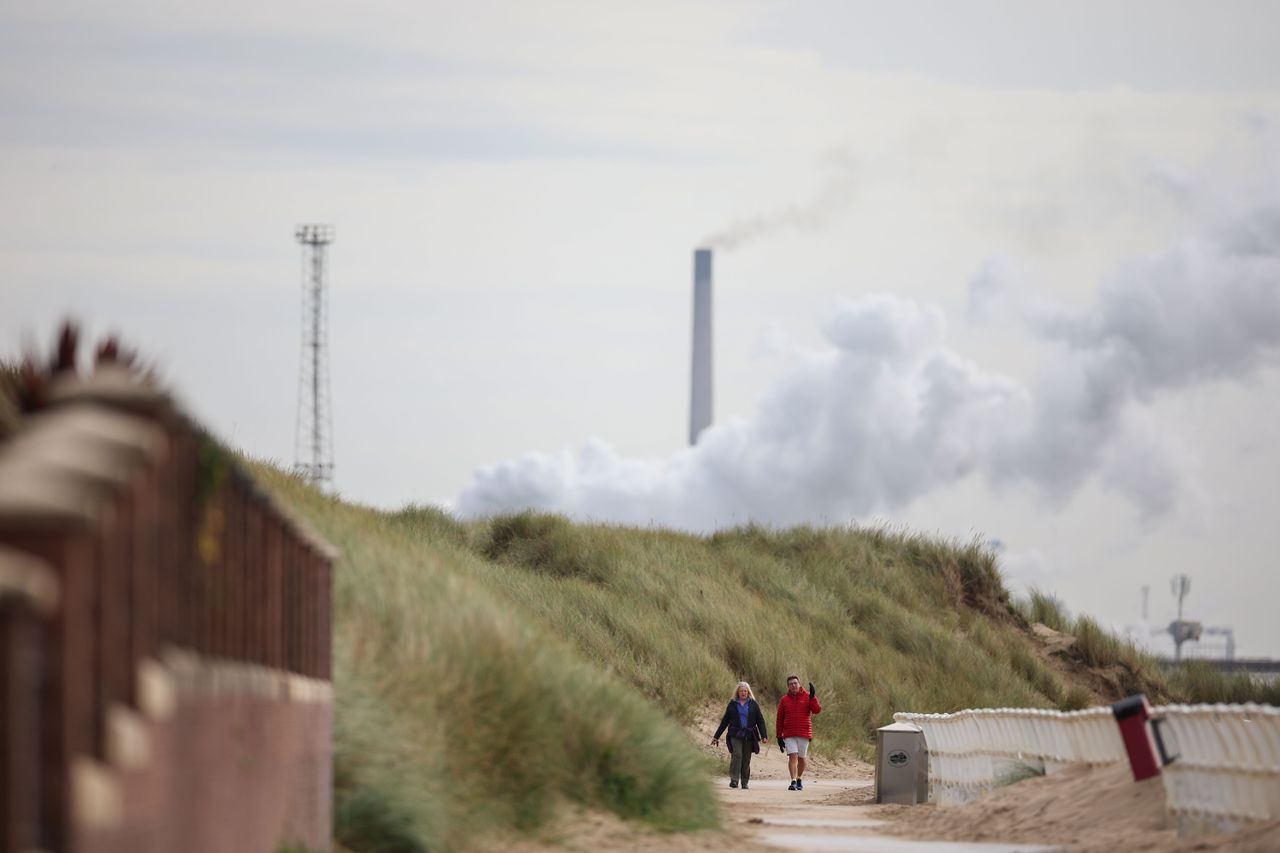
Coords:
1227,774
1228,771
971,752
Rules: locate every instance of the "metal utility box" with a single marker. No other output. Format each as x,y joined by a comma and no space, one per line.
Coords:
902,765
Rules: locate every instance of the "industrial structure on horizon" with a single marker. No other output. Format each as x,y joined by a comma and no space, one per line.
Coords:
1181,631
313,437
700,385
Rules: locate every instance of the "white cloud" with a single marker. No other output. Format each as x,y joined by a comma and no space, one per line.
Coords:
516,188
886,412
1024,571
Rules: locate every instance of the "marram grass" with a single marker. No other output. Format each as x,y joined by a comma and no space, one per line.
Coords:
456,714
487,671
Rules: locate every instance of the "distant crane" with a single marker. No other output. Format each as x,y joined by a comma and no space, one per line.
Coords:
1182,630
1230,634
1180,585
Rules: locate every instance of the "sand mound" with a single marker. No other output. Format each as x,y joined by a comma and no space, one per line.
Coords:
1082,809
1077,805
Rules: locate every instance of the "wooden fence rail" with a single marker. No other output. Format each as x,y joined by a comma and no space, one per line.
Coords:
128,537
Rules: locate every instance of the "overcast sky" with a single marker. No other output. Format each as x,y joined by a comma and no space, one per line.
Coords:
1008,269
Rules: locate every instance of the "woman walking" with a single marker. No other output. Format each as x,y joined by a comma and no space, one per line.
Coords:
746,728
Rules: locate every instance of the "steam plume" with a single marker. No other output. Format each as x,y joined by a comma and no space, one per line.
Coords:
885,412
834,196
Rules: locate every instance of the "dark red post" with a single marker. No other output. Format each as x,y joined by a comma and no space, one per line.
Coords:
1132,715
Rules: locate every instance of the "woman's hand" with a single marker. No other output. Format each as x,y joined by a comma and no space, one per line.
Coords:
715,741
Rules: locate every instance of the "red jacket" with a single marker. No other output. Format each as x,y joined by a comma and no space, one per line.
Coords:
793,715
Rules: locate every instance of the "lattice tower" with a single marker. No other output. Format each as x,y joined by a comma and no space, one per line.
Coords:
313,436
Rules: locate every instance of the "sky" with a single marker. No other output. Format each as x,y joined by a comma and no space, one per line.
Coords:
1007,270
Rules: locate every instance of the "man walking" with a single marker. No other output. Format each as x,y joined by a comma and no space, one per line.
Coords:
795,728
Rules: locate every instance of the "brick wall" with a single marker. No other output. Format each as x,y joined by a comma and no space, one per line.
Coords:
234,757
164,636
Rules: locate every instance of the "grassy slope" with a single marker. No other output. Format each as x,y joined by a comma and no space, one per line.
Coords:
455,714
878,620
487,670
1192,682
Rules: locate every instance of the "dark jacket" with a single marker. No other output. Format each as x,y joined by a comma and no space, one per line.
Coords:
755,729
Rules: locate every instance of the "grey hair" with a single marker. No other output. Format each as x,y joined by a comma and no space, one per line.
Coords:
742,684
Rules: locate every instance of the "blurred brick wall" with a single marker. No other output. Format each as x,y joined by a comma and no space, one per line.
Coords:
225,770
165,635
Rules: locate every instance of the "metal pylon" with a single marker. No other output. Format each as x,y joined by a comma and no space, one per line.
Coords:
313,436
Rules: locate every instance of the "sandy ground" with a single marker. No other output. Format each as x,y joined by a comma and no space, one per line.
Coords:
749,815
1076,811
1080,810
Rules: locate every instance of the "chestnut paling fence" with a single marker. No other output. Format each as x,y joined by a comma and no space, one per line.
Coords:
139,565
1228,770
1226,775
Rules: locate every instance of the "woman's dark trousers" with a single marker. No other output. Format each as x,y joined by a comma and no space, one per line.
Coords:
740,763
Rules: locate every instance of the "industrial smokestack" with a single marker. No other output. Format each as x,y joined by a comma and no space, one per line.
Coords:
700,387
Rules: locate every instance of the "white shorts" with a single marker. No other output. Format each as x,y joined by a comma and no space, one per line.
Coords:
797,746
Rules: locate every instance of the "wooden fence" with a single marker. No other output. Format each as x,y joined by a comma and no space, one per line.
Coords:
164,636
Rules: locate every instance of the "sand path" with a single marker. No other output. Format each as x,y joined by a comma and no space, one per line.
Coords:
830,814
834,812
1079,810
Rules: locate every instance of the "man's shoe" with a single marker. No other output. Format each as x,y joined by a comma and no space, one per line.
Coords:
733,783
744,786
792,786
799,785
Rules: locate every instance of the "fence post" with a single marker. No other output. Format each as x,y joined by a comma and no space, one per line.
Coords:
28,595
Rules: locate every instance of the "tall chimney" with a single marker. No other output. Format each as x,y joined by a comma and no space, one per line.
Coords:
700,387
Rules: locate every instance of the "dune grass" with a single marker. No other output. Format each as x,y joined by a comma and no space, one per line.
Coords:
1040,606
879,620
1096,647
1199,681
487,671
455,714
